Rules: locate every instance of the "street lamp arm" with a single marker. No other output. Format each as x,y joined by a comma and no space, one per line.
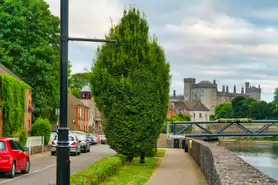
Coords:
91,40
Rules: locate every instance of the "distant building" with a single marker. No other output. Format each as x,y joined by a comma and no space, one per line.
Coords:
207,93
195,109
95,119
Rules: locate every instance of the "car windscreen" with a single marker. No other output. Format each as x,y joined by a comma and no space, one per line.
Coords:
81,137
70,138
2,145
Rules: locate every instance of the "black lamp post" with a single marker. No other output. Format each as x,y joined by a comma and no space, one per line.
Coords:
63,160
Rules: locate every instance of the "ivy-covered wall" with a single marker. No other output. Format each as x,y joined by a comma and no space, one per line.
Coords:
13,96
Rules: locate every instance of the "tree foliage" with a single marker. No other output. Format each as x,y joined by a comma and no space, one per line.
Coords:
29,47
224,110
130,83
243,107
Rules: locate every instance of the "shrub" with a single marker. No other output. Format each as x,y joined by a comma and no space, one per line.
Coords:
152,153
99,171
42,127
22,136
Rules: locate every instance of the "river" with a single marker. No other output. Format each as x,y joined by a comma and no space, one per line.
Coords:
263,156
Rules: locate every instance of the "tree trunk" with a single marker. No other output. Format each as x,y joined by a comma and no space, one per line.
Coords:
129,159
142,158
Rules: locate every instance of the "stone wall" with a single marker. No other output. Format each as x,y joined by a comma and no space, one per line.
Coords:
221,167
39,149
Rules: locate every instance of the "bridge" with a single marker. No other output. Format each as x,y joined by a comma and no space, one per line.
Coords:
256,128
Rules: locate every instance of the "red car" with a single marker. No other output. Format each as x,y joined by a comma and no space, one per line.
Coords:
13,158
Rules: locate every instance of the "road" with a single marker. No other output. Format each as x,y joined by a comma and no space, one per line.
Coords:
43,167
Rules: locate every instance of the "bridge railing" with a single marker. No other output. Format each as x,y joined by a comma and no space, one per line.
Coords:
225,125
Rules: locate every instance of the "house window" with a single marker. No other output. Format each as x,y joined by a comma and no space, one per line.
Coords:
193,115
80,113
200,115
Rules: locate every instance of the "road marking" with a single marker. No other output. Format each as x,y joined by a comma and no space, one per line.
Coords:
39,170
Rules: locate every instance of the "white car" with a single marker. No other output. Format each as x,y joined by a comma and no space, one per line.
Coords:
73,142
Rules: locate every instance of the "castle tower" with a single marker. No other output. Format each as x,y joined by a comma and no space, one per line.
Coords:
234,89
188,83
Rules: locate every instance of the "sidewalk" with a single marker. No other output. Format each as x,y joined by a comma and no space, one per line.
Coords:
177,168
39,155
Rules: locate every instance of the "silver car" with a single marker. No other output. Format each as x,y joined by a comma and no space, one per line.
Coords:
73,142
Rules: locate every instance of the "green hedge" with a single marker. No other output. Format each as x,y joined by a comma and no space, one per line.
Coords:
99,171
42,127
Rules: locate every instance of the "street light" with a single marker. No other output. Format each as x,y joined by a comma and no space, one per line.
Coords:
63,160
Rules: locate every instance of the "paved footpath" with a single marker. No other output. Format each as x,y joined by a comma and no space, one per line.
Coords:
177,168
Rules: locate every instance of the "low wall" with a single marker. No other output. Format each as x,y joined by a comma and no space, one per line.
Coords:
221,167
39,149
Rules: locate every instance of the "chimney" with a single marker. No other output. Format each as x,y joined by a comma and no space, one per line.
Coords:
259,86
234,89
174,93
242,90
214,82
223,88
227,88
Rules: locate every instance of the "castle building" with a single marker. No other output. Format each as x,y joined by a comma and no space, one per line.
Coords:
210,96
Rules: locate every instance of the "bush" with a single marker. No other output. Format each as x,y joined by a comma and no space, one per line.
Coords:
151,153
99,171
22,136
42,127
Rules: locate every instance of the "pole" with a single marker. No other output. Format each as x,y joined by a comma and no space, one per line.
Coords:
63,160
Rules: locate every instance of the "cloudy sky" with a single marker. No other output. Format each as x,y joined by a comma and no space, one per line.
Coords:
231,41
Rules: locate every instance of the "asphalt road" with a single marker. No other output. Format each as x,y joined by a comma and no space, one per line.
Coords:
43,167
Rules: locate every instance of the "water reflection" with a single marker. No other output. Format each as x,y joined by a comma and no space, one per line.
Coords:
263,156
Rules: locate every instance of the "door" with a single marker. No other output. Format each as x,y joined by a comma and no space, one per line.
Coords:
18,154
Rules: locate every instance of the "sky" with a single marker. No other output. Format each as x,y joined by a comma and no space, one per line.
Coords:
231,41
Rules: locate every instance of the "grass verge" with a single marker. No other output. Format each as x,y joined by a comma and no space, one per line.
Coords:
160,153
134,174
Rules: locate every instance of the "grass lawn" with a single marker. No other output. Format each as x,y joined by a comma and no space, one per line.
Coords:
160,153
134,174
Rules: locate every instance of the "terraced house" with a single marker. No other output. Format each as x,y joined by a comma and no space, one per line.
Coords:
78,114
14,114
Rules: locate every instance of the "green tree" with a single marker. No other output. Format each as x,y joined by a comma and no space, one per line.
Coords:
242,107
130,84
261,110
29,47
224,110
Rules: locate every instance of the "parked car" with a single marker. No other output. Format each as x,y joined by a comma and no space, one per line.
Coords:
93,139
77,132
13,157
75,146
84,142
99,140
102,139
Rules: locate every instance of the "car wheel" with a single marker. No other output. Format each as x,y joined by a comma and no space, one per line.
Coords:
52,153
11,174
27,167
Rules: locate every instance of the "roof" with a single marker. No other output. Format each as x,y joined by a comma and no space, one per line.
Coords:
76,101
180,105
205,83
196,106
4,70
87,102
86,89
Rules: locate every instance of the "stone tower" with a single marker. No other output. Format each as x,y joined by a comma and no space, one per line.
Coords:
188,84
253,92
